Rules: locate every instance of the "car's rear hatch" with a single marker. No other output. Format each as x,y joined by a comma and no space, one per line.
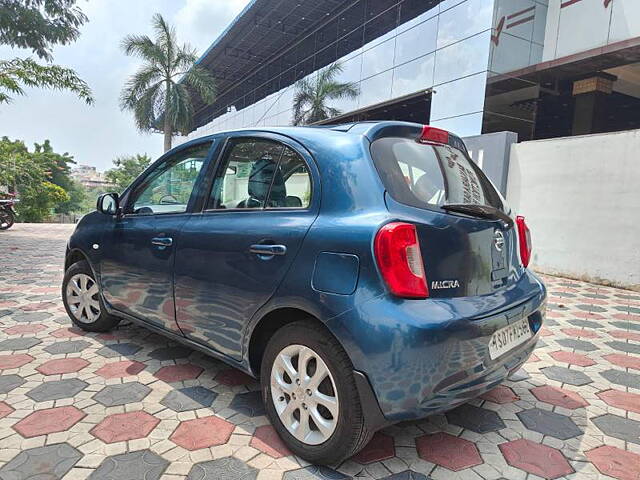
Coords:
467,237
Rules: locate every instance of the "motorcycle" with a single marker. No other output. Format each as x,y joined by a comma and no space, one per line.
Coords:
7,213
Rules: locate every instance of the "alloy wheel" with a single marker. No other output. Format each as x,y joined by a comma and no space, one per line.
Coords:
304,394
82,298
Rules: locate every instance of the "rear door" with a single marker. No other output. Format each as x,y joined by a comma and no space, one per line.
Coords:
468,241
234,254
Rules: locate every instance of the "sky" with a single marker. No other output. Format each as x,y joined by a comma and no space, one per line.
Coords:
96,135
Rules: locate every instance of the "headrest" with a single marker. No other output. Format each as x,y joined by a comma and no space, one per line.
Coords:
260,179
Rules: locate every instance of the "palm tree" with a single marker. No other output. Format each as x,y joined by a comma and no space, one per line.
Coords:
160,93
310,101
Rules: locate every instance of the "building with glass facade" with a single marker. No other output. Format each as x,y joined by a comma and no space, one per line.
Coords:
541,68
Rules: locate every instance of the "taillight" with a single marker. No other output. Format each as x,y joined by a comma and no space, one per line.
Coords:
434,135
398,255
524,237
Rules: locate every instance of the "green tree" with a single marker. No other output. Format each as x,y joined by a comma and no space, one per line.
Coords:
310,103
39,25
126,170
160,93
37,201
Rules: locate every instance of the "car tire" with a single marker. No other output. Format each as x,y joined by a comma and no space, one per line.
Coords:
342,436
86,309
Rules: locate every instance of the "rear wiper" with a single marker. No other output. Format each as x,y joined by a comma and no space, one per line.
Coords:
484,211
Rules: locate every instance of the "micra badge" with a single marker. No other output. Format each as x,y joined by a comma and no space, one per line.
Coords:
441,284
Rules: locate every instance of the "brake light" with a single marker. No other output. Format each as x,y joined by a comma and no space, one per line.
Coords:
434,135
524,237
397,252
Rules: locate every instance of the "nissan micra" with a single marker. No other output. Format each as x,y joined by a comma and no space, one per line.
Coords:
366,273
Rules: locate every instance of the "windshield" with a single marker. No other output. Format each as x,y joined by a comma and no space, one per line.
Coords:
431,175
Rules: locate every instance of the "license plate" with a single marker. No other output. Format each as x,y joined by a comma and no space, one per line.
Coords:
509,337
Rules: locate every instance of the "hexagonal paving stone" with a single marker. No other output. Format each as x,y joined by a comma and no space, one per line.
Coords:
30,316
67,346
623,334
68,332
249,404
170,353
624,361
579,333
130,392
626,347
406,475
624,400
178,373
5,409
631,380
9,382
619,427
232,377
559,396
584,323
119,349
448,451
501,395
614,462
566,375
143,464
125,368
14,360
476,419
56,390
577,344
380,447
27,328
62,365
314,472
50,420
189,398
534,458
51,463
227,468
16,344
120,427
267,440
549,423
572,358
522,374
202,433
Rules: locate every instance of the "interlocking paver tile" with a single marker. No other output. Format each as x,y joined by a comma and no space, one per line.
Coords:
51,462
549,423
143,464
57,389
227,468
130,392
619,427
202,433
476,419
189,398
580,385
67,346
50,420
379,448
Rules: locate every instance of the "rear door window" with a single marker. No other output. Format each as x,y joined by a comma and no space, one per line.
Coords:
430,175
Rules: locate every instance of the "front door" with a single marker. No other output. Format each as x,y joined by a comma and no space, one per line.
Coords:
233,255
138,251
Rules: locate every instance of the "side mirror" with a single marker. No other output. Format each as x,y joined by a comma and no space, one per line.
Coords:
108,203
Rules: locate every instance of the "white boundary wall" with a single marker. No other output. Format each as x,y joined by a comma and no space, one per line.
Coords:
581,198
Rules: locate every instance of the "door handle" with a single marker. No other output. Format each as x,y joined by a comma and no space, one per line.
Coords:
162,241
268,250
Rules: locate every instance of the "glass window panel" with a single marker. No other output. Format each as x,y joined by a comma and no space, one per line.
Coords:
516,16
463,126
463,58
413,76
325,57
379,28
464,20
512,54
376,89
540,23
417,41
345,105
291,186
351,69
378,59
413,12
459,97
327,35
351,19
168,187
581,27
625,20
447,4
350,42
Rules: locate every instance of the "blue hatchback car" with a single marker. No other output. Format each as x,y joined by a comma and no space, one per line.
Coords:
367,273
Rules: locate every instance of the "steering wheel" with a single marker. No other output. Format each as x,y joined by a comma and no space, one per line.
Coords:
171,200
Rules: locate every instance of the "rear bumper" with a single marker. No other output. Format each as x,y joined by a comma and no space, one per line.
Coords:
421,359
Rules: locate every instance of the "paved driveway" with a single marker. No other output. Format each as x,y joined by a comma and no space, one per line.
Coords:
132,405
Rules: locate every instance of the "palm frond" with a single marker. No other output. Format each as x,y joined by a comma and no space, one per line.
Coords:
203,82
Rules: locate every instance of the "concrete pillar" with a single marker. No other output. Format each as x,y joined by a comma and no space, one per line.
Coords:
590,102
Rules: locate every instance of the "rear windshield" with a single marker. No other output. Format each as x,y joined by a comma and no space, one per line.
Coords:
430,175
